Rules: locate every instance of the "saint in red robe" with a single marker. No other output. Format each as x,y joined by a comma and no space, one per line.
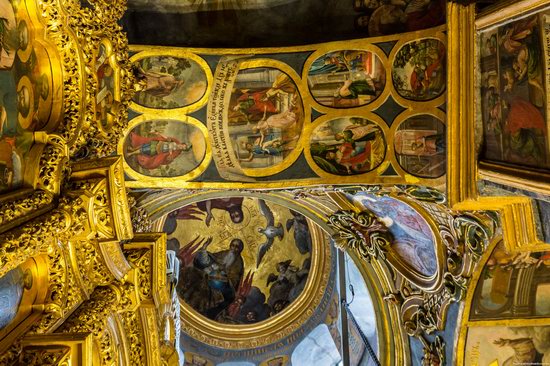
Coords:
153,158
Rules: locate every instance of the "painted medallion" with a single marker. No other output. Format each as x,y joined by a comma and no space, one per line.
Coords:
346,79
419,70
420,146
164,148
265,117
170,82
348,146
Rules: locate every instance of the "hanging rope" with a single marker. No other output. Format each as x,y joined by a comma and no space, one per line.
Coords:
363,336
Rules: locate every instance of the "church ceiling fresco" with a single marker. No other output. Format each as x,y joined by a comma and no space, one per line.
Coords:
514,96
412,238
250,261
356,112
267,23
508,345
513,285
253,269
28,99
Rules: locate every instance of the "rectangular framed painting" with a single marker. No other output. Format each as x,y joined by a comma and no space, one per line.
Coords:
513,50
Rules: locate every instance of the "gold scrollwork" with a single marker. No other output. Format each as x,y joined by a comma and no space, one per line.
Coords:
362,232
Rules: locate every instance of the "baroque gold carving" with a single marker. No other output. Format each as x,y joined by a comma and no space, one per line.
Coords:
35,237
57,355
22,206
362,232
422,309
134,334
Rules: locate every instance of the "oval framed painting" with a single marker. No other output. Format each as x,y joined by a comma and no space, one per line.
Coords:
171,81
165,148
420,146
419,69
348,146
346,79
265,117
248,265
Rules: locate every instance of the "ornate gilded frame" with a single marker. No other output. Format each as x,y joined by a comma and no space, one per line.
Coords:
516,212
514,176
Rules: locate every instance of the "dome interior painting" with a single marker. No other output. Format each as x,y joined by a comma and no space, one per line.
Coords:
274,182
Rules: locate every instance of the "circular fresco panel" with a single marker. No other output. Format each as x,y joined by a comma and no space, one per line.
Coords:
170,82
164,148
348,146
420,146
346,79
265,117
419,70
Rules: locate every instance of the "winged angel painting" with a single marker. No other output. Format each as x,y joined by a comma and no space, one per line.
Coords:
250,260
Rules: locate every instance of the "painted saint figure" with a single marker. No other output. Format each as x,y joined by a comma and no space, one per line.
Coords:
152,152
159,84
211,281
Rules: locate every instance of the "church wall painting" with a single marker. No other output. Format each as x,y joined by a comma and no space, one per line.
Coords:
381,18
513,102
170,82
508,345
165,148
413,239
214,23
264,120
265,117
346,79
513,285
242,260
348,146
419,144
419,70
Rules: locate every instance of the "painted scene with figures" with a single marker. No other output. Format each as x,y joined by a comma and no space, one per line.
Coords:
420,146
265,117
348,146
242,260
164,148
345,79
514,90
169,82
419,70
